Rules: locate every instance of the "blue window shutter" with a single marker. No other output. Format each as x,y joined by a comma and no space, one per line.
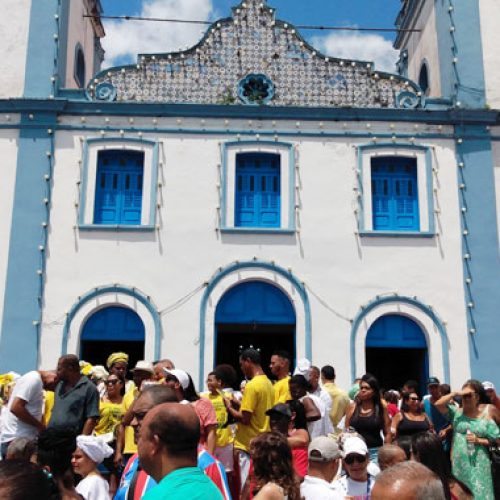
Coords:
395,194
119,185
258,190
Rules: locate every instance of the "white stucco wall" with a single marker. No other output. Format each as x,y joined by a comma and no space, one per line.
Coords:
424,46
490,38
343,269
8,147
14,26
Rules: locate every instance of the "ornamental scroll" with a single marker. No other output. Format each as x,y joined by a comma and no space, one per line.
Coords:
234,50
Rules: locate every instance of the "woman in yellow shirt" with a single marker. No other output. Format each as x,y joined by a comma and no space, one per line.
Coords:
111,411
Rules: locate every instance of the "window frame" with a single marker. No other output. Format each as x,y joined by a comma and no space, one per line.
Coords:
79,50
425,199
91,149
287,185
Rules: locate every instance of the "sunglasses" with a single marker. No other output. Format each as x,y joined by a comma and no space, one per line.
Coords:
468,396
111,382
414,399
350,459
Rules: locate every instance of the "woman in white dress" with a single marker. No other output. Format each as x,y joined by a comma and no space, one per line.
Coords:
90,452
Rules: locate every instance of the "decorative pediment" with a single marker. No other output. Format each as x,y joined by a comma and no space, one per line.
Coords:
252,58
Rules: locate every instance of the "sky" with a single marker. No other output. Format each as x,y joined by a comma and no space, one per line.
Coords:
125,39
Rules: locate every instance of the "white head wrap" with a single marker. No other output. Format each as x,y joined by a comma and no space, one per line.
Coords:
94,447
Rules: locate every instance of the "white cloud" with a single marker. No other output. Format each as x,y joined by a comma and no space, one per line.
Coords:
358,46
125,39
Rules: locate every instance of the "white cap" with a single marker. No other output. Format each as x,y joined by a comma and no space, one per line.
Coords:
303,368
488,385
323,449
180,375
143,366
355,445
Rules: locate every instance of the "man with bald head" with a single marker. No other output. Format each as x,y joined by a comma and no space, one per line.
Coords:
408,481
389,455
168,449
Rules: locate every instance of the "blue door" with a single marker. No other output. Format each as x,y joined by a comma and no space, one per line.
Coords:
112,329
258,190
396,351
253,314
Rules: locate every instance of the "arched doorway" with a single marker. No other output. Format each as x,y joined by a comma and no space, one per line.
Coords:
396,351
112,329
257,314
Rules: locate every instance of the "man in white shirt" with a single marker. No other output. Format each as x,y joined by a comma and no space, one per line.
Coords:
319,392
324,462
25,409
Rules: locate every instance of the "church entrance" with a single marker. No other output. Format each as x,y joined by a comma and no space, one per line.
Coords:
253,314
396,351
112,329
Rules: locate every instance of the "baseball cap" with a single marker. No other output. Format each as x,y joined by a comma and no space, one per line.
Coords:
355,445
488,385
323,449
180,375
280,408
433,381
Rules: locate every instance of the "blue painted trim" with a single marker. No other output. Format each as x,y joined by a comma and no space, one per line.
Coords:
64,9
42,49
254,264
84,183
255,230
131,292
481,243
121,228
226,190
428,183
77,107
398,300
397,234
30,218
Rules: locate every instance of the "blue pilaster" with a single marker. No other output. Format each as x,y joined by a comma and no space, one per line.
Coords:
19,340
42,53
460,52
480,248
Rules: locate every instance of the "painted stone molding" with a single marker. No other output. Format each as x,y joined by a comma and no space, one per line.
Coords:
254,42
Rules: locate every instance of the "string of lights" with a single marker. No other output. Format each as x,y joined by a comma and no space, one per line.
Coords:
299,26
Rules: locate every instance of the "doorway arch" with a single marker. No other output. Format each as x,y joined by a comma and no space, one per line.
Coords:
253,314
111,329
396,351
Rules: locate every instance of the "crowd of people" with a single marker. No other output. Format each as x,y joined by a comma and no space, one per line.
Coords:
88,432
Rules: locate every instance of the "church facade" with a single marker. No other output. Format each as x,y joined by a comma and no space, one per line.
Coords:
251,190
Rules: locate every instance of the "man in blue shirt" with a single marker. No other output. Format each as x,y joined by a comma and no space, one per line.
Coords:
439,421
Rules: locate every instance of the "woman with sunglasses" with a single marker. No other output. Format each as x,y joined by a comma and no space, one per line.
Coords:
368,416
411,419
111,411
473,430
357,482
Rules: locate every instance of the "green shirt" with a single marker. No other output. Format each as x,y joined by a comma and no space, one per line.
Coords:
182,484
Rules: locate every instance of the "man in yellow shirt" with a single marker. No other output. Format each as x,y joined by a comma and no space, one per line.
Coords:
340,399
251,416
280,368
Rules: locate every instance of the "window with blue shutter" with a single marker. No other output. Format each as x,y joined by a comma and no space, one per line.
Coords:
118,197
258,190
394,194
